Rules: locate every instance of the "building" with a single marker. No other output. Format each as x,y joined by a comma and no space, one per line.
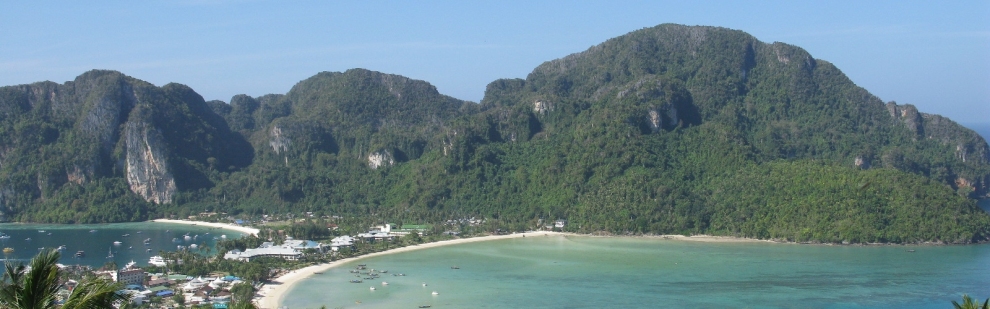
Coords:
342,241
291,249
130,276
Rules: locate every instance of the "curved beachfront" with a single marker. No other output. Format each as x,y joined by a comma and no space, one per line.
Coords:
271,294
233,227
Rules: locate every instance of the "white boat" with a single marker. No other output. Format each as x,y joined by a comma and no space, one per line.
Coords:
223,236
384,283
4,236
435,293
110,254
117,243
372,288
193,246
130,265
157,261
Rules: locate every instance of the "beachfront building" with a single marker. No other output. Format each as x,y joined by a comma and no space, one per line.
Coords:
291,249
343,241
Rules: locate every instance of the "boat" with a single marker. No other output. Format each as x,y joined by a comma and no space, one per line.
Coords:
92,231
223,236
130,264
28,239
372,288
130,247
910,250
147,250
455,267
435,293
147,240
80,253
8,250
424,306
110,253
356,281
117,243
60,248
139,232
193,246
424,283
156,260
49,234
41,231
318,272
384,283
4,236
125,235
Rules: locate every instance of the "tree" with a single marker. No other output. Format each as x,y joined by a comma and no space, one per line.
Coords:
969,303
37,288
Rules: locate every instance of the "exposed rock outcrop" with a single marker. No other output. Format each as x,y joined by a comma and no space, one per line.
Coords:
380,158
278,140
147,165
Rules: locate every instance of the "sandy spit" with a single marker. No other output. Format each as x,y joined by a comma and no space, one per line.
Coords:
233,227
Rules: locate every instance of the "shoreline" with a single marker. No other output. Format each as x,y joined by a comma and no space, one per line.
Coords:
270,295
242,229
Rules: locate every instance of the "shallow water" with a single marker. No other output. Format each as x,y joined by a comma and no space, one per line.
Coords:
587,272
98,244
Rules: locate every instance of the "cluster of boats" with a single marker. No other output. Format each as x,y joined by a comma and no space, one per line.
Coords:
362,272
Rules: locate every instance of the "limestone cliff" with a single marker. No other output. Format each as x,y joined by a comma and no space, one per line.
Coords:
147,165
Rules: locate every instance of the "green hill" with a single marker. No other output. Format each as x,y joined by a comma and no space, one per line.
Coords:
670,129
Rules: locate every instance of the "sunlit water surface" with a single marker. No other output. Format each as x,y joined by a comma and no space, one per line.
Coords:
588,272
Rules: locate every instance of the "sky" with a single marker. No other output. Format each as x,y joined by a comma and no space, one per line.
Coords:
933,54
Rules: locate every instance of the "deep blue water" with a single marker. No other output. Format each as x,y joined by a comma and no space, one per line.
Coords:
27,240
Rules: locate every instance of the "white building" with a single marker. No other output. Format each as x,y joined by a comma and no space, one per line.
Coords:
290,250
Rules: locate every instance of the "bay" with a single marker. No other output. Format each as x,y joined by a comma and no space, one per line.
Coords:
97,241
591,272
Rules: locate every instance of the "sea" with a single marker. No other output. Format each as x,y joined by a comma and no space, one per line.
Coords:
637,272
97,241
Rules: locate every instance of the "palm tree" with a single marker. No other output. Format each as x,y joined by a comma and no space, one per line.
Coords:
37,288
969,303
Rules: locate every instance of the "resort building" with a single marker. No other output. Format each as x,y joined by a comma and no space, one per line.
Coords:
342,241
291,249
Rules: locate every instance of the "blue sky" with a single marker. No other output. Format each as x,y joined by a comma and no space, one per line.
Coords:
935,55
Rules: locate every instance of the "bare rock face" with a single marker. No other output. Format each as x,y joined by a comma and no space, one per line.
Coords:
908,114
542,107
655,122
862,162
147,166
381,158
278,140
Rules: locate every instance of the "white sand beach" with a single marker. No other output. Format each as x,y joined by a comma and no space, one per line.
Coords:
271,294
233,227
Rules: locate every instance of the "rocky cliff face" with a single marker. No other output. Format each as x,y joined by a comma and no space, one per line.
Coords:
147,166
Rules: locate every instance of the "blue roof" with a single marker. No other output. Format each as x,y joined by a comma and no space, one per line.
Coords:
165,293
230,278
133,287
239,221
219,305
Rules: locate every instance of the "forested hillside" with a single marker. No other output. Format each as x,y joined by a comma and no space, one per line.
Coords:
670,129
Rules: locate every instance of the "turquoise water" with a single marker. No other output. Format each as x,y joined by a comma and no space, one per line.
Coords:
99,243
587,272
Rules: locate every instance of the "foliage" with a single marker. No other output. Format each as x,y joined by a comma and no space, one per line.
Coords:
37,287
670,129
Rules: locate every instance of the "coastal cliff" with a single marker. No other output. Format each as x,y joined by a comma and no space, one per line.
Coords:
664,130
